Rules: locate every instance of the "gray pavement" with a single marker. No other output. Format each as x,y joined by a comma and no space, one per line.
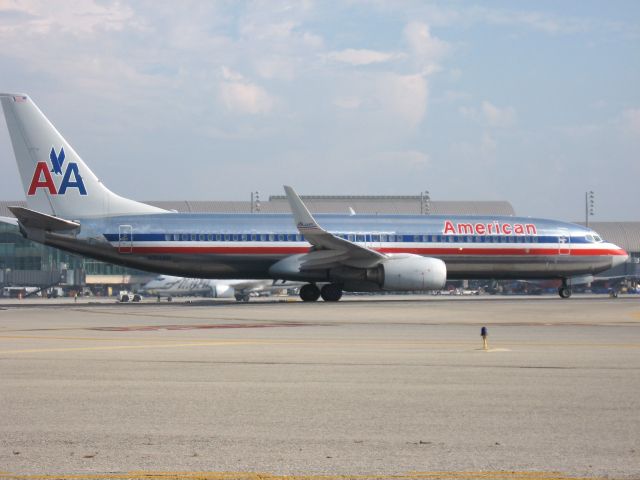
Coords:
369,386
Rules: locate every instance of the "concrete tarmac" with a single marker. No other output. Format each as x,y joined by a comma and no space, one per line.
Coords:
370,387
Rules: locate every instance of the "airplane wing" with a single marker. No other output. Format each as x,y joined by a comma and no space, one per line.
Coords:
328,250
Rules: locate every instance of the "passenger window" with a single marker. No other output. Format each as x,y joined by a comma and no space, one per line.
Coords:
244,237
359,238
167,237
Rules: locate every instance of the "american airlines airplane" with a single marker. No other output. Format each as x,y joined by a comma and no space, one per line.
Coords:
69,208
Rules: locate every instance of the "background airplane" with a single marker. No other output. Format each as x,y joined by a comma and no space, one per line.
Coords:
171,286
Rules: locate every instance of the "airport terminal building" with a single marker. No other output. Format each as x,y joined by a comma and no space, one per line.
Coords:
26,263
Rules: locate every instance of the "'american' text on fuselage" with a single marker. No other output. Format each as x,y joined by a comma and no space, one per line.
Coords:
492,228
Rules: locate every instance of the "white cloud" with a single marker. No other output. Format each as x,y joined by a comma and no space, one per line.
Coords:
268,31
404,97
239,95
361,57
444,15
276,67
498,117
488,144
409,159
580,131
80,18
535,20
348,103
426,48
631,122
490,114
230,75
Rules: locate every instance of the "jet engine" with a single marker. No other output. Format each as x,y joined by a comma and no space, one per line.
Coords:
222,291
412,272
402,272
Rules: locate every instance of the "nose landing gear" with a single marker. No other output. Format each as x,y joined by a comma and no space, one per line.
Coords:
565,290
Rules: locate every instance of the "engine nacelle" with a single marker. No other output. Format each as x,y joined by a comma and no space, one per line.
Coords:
407,272
223,291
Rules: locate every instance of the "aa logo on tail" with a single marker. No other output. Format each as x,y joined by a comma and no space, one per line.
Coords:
70,176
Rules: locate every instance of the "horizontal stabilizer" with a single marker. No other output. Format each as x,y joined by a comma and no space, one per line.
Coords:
41,221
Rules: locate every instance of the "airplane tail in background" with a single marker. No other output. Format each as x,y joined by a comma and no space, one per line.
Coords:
55,179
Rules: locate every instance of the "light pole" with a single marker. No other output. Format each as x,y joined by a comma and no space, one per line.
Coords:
425,203
255,202
589,206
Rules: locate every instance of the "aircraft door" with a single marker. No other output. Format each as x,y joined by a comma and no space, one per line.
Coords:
564,242
125,239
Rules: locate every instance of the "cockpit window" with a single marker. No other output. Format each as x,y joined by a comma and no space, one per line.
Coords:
593,237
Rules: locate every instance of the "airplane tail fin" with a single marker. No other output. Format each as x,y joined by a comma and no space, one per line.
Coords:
56,181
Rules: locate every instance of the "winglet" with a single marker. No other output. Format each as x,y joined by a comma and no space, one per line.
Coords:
303,218
340,250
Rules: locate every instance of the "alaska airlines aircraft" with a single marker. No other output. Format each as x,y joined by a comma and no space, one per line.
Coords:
69,208
170,286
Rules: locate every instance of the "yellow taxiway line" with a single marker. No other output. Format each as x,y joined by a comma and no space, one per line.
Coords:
128,347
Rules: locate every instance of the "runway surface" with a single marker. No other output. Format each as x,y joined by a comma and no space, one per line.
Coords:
367,388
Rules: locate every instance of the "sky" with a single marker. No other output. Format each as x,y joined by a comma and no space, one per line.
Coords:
533,102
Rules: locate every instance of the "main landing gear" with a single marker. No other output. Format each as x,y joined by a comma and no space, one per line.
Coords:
329,292
565,290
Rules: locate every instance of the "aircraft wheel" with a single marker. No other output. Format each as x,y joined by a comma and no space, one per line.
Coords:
309,293
564,292
331,292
